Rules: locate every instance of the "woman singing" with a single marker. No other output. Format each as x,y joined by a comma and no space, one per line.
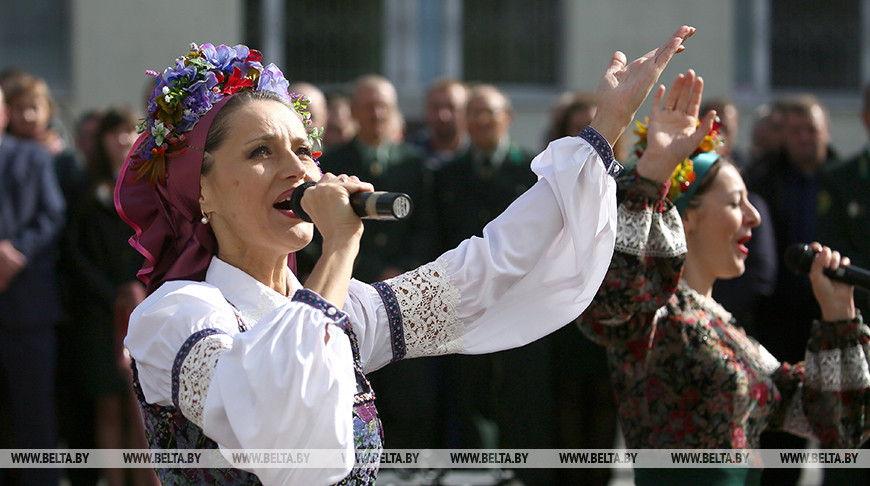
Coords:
231,350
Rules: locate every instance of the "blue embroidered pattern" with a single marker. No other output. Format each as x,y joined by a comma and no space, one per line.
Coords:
600,144
308,297
394,315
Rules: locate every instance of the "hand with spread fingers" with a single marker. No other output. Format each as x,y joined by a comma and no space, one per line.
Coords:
624,87
674,131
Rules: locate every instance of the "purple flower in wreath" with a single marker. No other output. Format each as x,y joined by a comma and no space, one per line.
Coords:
221,57
272,79
173,76
198,101
247,59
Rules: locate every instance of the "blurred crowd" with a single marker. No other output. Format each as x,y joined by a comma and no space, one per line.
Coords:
68,276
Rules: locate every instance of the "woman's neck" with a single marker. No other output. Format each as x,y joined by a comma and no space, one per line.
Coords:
698,280
273,274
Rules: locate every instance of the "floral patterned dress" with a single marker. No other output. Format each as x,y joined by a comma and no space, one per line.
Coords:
686,375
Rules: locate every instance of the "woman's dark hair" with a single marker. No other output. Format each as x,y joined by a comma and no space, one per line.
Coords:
101,167
217,133
582,102
706,182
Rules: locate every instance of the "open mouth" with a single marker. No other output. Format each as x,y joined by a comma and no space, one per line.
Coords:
741,244
283,205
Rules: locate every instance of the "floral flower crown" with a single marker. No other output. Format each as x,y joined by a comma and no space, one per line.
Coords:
187,91
684,174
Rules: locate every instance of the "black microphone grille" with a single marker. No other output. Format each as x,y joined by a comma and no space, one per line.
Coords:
799,258
296,201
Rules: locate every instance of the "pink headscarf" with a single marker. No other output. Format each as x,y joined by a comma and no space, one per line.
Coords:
166,218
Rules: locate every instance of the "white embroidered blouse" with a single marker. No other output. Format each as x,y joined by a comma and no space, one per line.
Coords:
279,386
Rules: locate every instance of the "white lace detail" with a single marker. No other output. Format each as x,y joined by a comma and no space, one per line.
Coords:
835,370
650,234
795,421
428,303
196,373
706,303
768,362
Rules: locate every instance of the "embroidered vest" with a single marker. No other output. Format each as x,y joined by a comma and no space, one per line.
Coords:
167,428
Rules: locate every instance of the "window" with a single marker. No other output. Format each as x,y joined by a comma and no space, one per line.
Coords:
327,41
35,36
815,45
511,41
801,45
413,42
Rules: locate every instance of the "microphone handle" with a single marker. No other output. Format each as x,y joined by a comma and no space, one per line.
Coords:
385,206
381,205
850,275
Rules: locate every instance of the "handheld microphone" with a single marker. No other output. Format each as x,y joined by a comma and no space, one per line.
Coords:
799,258
384,206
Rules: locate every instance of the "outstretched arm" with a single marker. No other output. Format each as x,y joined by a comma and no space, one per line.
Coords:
624,87
650,244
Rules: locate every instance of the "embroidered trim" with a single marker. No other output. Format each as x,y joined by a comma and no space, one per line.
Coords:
394,315
650,234
836,370
311,298
605,151
428,304
182,355
795,421
196,374
341,320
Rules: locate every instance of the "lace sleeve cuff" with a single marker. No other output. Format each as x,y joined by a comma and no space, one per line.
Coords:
649,234
422,311
193,370
837,357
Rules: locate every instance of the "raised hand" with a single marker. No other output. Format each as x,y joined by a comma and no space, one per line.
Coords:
673,132
624,87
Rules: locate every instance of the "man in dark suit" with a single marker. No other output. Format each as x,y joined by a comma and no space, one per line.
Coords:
844,222
31,218
445,135
377,155
505,399
408,398
480,183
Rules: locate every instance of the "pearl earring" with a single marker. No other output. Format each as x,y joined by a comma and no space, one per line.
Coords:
204,219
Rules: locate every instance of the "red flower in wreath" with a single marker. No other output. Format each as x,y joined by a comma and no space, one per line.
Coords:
236,82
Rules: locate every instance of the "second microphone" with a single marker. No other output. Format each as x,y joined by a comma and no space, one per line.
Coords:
386,206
